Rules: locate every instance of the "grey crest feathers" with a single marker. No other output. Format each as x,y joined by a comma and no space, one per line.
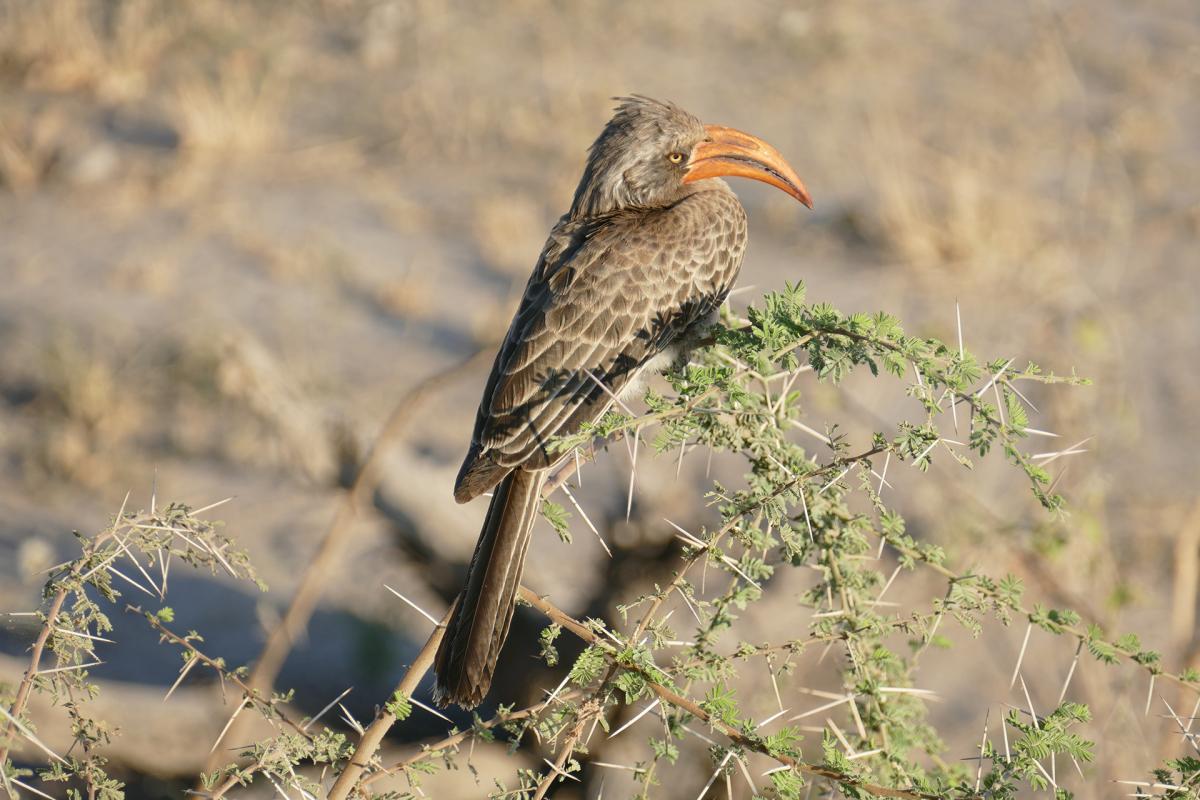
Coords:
627,165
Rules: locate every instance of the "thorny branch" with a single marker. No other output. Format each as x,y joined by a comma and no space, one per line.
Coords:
783,472
323,563
369,744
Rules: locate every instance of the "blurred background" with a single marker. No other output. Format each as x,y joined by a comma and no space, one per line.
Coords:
233,235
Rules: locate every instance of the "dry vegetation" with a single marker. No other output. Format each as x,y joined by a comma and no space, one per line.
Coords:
235,234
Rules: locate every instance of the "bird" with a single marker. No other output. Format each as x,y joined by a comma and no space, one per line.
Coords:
639,264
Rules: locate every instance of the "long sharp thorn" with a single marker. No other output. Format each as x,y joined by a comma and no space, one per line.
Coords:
887,585
557,689
733,565
69,667
1039,432
1195,710
917,461
713,778
982,744
992,380
812,432
841,737
586,519
632,473
591,731
771,718
211,506
1028,402
28,734
653,705
84,635
433,711
1070,672
557,770
321,713
225,730
841,475
1188,737
687,537
604,388
1020,656
419,610
129,580
807,521
121,513
193,661
607,765
864,754
138,564
1074,449
688,602
746,774
825,707
858,723
1048,776
27,787
349,719
778,698
1029,701
958,317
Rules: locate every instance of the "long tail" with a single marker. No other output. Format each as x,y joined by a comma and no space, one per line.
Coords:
467,656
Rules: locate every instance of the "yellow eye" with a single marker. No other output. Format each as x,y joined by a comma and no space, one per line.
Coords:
675,158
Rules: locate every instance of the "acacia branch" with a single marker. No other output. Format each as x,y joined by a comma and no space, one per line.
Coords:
312,582
249,691
21,700
35,660
368,745
563,619
352,776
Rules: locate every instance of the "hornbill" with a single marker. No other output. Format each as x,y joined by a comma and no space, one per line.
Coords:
643,260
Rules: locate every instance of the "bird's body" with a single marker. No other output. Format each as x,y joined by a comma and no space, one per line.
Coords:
643,258
609,295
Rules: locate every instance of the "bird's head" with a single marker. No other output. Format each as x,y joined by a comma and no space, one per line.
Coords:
650,151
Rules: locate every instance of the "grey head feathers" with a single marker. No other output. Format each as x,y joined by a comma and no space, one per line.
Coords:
629,164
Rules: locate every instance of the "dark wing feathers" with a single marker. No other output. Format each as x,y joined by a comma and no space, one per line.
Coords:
606,297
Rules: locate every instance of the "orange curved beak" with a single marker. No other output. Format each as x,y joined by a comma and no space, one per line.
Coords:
727,152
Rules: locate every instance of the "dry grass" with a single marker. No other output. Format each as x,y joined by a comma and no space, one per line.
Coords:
235,112
87,412
110,50
27,151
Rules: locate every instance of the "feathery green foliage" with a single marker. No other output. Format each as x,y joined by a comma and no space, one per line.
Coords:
809,500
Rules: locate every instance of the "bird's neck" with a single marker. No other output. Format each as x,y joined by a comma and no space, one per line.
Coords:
601,199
